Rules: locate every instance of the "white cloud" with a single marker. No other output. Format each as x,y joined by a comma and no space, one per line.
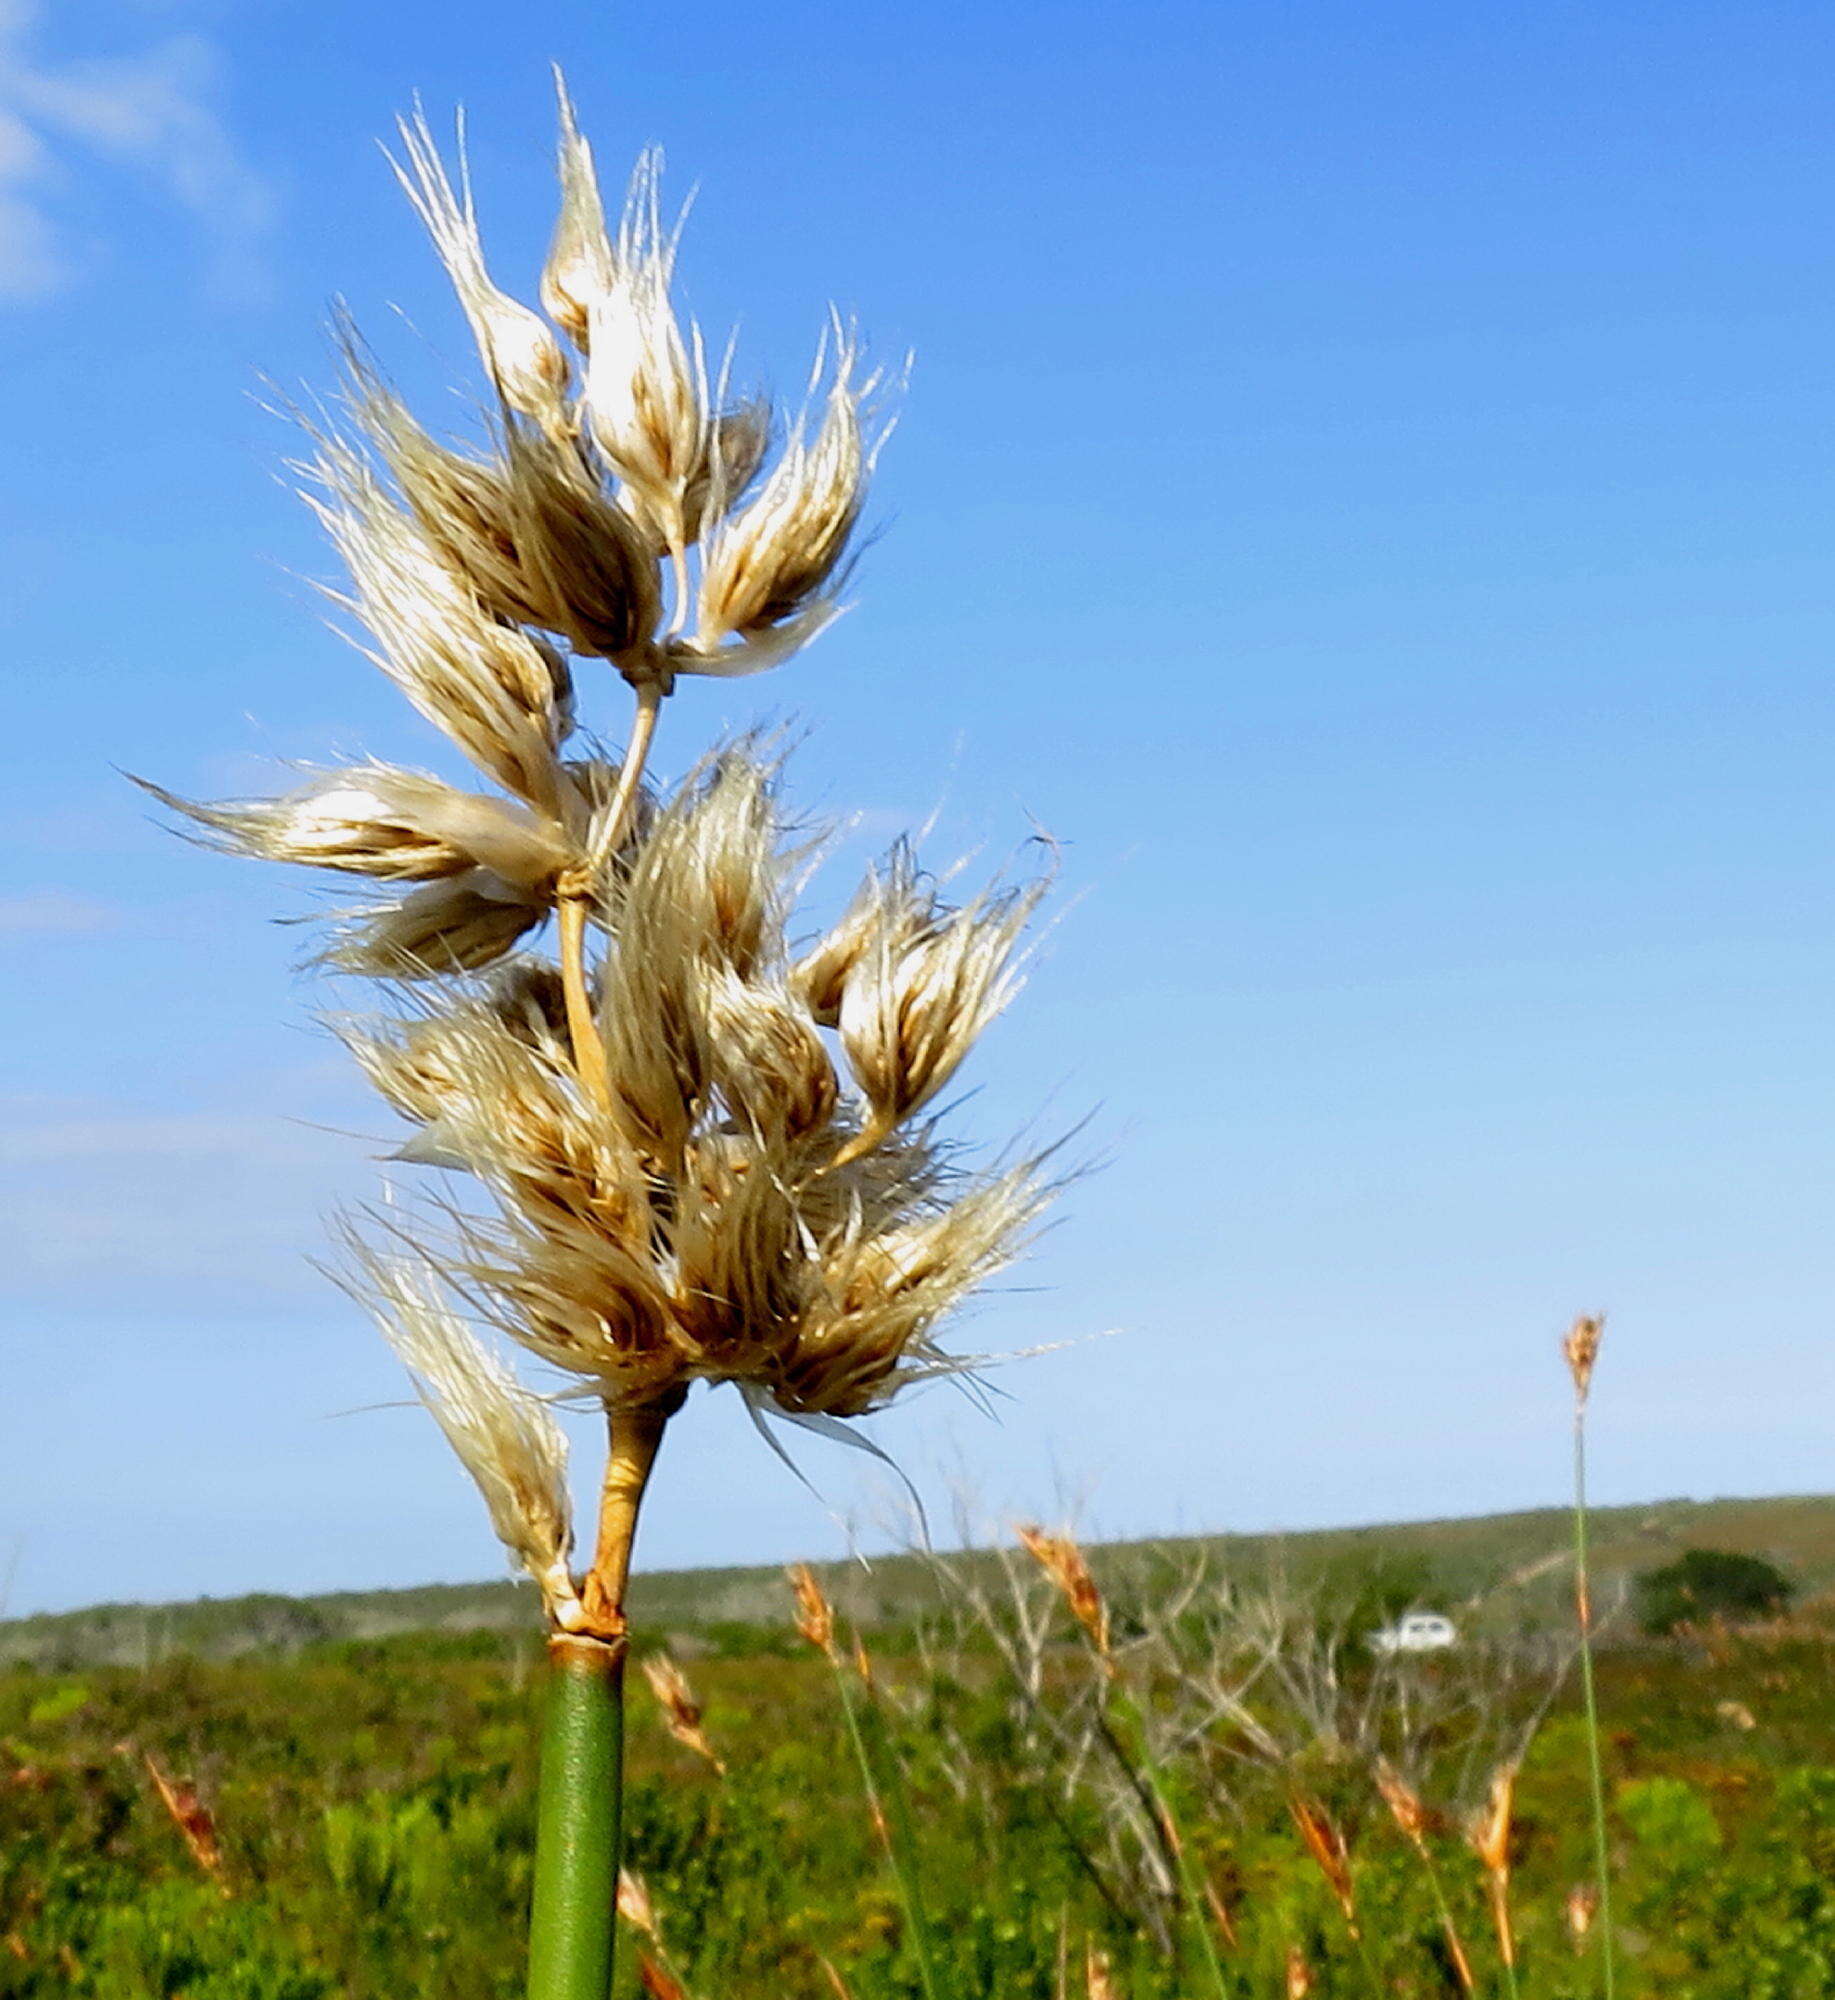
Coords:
153,113
52,912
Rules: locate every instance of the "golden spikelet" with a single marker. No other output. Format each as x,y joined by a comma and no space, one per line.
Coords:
1405,1806
815,1616
1064,1562
1326,1844
580,271
1580,1349
594,576
1488,1831
913,1006
646,403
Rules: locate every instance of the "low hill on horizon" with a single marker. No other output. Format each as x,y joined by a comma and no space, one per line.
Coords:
1445,1563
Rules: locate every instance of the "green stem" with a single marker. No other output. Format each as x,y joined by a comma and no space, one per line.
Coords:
1583,1602
895,1836
574,1914
1118,1701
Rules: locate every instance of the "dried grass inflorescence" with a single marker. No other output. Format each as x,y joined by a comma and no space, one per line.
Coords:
708,1147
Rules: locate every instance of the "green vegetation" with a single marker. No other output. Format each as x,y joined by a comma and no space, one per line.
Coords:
1441,1563
1708,1586
374,1804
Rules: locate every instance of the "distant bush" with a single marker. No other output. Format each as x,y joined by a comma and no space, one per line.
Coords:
1705,1585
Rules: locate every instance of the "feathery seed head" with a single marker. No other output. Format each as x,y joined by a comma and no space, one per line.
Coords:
919,997
396,825
497,692
772,561
645,385
460,925
524,360
581,269
505,1438
596,577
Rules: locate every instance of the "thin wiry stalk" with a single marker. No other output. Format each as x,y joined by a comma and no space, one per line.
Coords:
571,914
1191,1888
1582,1348
892,1816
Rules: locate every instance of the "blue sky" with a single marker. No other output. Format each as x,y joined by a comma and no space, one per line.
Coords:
1367,486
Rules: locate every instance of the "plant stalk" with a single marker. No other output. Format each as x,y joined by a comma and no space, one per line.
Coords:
573,1916
1583,1608
579,1822
576,895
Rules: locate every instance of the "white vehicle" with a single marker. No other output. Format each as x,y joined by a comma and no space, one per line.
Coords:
1418,1632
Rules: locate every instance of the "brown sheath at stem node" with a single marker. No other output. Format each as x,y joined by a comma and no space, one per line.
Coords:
636,1434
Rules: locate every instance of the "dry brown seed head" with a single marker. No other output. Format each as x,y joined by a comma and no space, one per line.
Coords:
1404,1804
1580,1346
1326,1844
1489,1830
1299,1974
658,1984
1063,1561
197,1827
681,1712
1581,1907
815,1616
1099,1975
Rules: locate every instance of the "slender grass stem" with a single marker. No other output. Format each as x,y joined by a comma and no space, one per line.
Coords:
1583,1606
582,1030
892,1822
574,1911
1191,1889
579,1818
574,902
